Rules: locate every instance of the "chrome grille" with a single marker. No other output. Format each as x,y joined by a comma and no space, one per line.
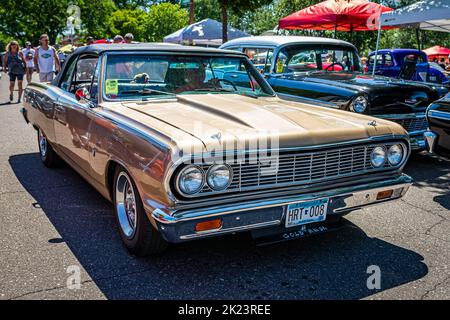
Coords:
298,168
413,124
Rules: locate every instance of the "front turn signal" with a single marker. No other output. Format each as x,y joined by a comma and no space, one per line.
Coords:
208,225
384,194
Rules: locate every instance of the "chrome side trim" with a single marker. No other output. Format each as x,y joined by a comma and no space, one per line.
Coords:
439,115
400,116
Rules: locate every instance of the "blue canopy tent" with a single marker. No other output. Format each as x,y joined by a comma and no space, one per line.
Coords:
207,32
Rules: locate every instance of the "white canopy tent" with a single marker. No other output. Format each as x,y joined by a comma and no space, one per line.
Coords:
433,15
207,32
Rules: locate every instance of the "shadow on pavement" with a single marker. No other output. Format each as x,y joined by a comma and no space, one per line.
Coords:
330,266
429,171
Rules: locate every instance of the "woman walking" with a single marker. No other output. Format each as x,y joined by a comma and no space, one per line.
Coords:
15,66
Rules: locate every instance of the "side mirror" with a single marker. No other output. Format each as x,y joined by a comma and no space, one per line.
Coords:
82,94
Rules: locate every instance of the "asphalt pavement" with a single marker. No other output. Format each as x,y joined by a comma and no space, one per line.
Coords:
52,224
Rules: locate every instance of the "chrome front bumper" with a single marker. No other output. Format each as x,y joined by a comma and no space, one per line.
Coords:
417,141
179,226
416,137
430,139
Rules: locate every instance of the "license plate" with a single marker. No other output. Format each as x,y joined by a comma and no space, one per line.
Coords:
306,212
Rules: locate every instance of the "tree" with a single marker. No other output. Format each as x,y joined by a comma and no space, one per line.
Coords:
27,20
164,19
24,20
129,21
96,17
239,7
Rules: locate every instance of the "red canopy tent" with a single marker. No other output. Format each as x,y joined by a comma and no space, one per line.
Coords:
337,15
437,52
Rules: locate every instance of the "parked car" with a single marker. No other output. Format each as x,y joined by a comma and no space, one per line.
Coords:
329,72
407,64
438,137
186,149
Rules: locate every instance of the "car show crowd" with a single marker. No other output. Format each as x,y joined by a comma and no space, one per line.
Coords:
45,59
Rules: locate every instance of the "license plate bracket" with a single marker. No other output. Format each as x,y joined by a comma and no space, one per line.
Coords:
306,212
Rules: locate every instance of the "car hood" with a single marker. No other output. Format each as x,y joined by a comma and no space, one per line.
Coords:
222,120
357,81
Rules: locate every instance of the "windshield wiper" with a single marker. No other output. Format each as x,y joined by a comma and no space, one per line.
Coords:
147,92
213,89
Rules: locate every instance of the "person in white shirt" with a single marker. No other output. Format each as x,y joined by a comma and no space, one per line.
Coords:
46,60
29,53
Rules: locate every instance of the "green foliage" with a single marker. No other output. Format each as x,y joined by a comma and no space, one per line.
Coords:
207,9
4,40
96,16
163,19
27,20
129,21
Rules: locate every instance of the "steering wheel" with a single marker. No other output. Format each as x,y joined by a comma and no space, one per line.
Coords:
227,81
334,64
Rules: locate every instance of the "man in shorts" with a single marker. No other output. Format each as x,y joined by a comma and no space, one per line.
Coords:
46,60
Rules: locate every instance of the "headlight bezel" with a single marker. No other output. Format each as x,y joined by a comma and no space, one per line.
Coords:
178,182
384,149
359,99
402,154
215,167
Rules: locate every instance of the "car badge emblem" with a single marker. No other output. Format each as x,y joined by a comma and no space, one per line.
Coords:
217,136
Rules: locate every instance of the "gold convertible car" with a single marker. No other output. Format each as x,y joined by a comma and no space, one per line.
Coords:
189,143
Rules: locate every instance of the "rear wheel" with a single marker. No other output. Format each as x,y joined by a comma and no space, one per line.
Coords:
138,234
48,156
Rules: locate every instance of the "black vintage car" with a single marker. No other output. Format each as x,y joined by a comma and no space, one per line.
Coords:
330,72
438,137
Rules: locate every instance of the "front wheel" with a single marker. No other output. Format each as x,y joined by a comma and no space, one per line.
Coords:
48,156
138,234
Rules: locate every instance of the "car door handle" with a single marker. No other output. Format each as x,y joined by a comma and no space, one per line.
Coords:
59,107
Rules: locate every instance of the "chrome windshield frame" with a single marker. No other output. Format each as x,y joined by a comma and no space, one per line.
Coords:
251,70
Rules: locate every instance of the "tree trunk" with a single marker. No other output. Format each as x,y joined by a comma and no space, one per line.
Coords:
191,12
224,23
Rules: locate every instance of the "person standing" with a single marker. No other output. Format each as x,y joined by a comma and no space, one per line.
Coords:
46,60
118,39
29,53
129,38
89,40
15,65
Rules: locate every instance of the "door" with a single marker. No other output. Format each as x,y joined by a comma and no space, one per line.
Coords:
73,118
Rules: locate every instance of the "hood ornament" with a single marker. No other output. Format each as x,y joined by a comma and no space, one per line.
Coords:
373,123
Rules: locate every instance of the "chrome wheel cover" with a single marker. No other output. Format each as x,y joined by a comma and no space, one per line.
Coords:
42,144
126,205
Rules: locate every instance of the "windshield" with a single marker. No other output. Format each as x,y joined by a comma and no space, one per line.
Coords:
315,58
146,76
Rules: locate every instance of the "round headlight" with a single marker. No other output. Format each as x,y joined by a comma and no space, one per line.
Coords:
395,154
191,179
359,104
219,177
378,157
